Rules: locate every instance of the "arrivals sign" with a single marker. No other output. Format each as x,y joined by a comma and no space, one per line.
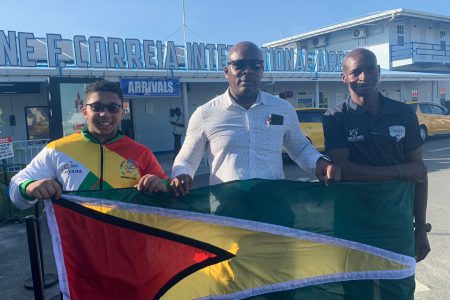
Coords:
150,87
23,49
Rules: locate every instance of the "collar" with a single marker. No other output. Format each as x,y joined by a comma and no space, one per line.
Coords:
229,100
88,136
386,106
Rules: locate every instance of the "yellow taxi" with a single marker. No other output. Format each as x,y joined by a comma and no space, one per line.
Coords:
310,120
434,119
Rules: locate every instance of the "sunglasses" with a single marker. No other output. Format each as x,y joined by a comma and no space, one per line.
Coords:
99,107
242,64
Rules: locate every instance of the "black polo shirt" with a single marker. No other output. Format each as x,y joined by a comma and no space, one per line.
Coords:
379,140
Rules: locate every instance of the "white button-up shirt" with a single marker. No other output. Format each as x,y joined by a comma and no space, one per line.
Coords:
244,144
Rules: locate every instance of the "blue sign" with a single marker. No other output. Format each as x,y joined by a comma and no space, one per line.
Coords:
150,87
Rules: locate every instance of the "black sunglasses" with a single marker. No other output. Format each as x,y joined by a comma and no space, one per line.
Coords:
99,107
242,64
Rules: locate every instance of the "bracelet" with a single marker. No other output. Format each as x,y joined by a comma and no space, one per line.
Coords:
422,226
400,171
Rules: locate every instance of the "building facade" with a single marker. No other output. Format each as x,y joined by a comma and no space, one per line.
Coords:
42,80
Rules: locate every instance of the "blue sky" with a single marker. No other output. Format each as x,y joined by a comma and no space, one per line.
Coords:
212,21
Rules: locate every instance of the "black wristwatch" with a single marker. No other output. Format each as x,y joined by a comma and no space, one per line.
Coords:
423,226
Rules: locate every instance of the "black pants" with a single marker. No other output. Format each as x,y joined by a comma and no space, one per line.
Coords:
176,144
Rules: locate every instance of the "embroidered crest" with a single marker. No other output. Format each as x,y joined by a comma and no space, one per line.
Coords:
129,169
397,132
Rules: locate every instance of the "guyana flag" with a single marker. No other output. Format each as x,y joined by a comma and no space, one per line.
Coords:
257,239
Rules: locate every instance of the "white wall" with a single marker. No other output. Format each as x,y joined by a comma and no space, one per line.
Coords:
376,40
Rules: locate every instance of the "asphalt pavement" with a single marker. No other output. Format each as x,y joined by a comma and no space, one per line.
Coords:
432,276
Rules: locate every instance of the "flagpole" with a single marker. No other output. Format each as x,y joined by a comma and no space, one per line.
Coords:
184,84
184,23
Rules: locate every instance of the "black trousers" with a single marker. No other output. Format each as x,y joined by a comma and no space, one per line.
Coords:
176,144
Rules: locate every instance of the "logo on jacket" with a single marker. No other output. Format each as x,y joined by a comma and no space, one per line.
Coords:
354,135
129,169
397,132
69,167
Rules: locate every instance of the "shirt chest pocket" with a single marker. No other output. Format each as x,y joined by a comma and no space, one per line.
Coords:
270,137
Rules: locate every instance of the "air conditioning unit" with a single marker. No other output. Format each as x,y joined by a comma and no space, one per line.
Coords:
360,32
318,41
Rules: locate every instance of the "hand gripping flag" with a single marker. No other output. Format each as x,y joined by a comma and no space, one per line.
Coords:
257,239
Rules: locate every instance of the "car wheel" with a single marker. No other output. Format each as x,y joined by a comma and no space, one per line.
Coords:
423,133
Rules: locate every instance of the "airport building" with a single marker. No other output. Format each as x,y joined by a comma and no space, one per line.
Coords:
42,79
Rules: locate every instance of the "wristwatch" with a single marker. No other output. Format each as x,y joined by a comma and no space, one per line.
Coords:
423,226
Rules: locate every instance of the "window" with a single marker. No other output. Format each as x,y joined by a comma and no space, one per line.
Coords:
442,37
310,115
414,94
437,110
425,108
442,93
37,122
400,35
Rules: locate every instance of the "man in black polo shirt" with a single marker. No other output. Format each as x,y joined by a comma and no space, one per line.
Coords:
373,138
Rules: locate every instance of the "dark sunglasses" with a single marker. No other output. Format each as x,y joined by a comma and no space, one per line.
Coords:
99,107
242,64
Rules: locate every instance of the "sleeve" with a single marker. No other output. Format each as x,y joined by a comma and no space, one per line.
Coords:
193,149
41,167
412,135
153,166
297,145
334,131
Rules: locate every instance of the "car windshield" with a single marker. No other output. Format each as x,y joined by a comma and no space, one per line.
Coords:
310,116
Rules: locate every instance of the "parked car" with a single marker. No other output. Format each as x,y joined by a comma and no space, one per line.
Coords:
310,120
434,119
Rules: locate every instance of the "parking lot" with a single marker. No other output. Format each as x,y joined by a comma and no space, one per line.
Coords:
432,275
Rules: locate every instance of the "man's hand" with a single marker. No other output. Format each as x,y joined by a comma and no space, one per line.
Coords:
327,172
181,184
151,184
414,171
44,189
422,244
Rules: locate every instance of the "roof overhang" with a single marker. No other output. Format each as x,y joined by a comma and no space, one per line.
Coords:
371,18
41,75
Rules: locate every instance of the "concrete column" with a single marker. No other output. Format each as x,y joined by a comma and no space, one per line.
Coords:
402,92
436,92
317,96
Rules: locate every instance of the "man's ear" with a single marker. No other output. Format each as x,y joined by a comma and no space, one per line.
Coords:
84,110
225,71
343,77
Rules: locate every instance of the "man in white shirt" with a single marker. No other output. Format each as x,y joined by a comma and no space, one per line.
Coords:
244,130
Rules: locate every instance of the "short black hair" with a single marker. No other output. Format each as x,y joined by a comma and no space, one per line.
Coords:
104,86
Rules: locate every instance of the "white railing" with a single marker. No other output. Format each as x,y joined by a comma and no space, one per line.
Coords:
24,152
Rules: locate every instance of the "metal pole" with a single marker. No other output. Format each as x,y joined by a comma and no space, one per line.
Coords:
49,279
184,24
35,258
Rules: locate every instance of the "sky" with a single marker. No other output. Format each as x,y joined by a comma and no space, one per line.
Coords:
208,21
